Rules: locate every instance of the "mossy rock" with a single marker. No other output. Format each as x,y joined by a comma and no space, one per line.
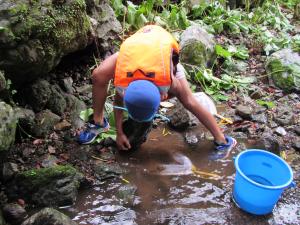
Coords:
283,67
197,47
8,123
34,35
55,185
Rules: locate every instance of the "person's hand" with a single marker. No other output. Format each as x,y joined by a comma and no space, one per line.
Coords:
123,142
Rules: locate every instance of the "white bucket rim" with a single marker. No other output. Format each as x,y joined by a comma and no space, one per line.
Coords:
258,184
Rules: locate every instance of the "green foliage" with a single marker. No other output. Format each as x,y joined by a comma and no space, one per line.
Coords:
268,104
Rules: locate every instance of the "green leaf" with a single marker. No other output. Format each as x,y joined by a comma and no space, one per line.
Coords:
220,51
85,114
269,105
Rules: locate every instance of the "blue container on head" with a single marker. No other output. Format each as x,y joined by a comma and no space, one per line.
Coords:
142,99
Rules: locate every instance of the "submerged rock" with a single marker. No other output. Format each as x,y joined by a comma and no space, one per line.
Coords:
284,69
35,35
197,47
8,123
127,194
56,185
107,170
49,216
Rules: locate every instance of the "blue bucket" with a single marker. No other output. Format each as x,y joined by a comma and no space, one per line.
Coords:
260,179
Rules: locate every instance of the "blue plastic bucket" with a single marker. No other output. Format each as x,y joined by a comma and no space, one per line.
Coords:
260,179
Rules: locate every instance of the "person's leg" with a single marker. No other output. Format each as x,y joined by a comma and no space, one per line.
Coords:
101,77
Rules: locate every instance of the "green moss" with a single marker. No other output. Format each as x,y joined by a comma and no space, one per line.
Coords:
39,177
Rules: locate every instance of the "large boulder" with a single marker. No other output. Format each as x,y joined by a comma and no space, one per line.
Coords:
34,35
55,185
197,46
49,216
44,123
8,123
105,25
283,68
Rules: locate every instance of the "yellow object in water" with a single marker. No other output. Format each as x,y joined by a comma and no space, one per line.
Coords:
205,174
283,155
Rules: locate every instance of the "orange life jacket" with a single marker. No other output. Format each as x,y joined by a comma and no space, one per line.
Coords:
146,55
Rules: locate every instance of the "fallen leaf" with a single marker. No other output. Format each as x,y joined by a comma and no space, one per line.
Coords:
51,149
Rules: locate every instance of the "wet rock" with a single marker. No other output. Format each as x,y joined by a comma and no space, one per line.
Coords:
107,170
270,142
261,118
8,123
25,118
197,46
56,185
179,117
75,106
126,194
57,102
49,216
38,94
14,213
281,131
283,67
44,123
244,111
191,138
36,35
9,169
67,85
105,25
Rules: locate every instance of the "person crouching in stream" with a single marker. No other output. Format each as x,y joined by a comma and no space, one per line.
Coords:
145,71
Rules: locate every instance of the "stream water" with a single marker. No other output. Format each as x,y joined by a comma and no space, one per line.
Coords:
169,192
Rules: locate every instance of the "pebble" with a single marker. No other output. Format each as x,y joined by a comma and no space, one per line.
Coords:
281,131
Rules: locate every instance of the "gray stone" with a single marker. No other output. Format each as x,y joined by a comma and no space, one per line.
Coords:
2,82
284,116
44,123
67,85
85,89
55,185
244,111
284,69
38,94
126,194
296,144
107,170
49,161
197,47
237,66
270,142
8,123
14,213
297,130
9,170
281,131
75,106
256,92
261,118
25,118
105,25
36,35
49,216
179,116
57,102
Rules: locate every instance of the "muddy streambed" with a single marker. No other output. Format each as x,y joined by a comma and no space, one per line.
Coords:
169,193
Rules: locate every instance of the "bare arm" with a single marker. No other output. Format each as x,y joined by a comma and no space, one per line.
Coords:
101,77
180,88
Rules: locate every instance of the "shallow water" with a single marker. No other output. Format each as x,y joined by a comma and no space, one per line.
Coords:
169,192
